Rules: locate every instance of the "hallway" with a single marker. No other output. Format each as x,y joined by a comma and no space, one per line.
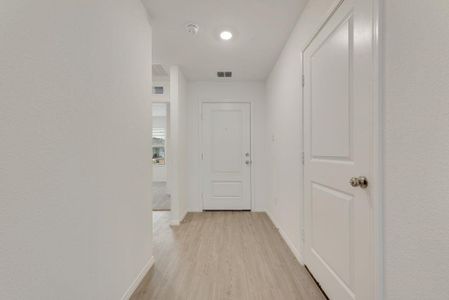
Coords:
223,255
224,150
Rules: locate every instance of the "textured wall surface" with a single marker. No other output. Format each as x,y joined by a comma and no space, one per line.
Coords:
75,165
416,149
284,126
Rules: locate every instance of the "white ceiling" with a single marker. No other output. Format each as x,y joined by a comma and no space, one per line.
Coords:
260,28
159,71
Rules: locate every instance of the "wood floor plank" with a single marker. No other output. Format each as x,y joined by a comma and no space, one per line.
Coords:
224,255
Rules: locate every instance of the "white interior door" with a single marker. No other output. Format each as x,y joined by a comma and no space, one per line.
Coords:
337,135
226,156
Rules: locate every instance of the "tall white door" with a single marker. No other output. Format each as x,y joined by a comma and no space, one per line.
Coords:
226,156
338,90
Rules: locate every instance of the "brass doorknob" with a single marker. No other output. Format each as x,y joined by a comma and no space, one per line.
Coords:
361,181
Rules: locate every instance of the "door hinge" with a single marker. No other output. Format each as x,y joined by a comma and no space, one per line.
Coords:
303,158
202,156
303,80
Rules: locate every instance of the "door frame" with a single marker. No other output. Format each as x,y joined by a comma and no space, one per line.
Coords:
251,176
377,137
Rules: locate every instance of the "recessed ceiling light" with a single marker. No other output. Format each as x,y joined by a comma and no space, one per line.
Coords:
226,35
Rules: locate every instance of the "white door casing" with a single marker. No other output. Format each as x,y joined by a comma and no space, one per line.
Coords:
338,95
226,156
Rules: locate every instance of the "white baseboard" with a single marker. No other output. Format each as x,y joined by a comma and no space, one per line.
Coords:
287,240
178,222
184,216
139,279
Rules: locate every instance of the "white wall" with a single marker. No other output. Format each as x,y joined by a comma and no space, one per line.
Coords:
284,127
416,149
253,92
159,173
75,173
178,173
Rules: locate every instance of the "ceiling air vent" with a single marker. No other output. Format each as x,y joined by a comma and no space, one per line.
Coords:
222,74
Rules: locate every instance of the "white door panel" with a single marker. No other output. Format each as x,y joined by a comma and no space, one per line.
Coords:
226,164
337,135
332,116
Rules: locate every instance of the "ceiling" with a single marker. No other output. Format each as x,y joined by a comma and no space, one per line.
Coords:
260,29
159,71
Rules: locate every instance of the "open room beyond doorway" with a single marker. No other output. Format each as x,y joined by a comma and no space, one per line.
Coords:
161,196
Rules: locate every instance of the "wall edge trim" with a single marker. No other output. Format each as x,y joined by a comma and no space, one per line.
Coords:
135,284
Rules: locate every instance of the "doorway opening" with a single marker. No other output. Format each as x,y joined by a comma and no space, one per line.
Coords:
161,194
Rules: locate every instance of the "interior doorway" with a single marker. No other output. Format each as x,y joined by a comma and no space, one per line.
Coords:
160,151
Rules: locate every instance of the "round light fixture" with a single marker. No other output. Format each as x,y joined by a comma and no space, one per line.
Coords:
226,35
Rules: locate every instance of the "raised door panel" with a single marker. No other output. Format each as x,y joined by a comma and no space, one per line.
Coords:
226,138
330,71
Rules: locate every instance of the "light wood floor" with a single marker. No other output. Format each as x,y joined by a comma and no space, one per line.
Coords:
223,255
